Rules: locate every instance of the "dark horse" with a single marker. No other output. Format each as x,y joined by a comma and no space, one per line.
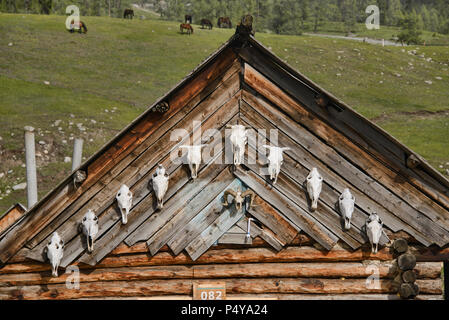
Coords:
81,27
128,13
188,18
186,26
224,21
207,23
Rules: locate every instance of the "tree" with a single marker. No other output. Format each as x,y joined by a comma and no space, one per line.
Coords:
318,14
349,15
410,32
393,14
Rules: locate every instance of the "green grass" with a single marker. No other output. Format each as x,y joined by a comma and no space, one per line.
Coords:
124,66
384,32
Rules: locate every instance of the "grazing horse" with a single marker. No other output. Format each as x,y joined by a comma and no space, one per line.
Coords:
188,18
128,14
186,26
81,27
207,23
224,21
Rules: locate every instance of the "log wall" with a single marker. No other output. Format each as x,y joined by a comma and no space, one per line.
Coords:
302,270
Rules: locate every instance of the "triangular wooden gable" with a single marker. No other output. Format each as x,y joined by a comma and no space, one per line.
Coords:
241,84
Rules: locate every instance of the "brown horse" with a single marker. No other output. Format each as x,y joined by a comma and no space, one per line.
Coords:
207,23
186,26
128,13
224,21
81,27
188,18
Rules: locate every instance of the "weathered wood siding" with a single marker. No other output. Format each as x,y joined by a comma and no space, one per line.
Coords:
302,270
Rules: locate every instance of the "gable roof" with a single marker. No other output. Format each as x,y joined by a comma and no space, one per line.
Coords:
10,217
242,82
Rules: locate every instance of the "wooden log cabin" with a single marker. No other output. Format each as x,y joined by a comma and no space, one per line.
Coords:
292,252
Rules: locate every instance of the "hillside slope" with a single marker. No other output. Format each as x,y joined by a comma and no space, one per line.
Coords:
90,86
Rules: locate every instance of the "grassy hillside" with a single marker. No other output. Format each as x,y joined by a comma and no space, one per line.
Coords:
97,83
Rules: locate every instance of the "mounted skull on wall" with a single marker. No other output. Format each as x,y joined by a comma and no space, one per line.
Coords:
346,204
194,158
124,200
275,160
160,185
89,226
238,140
314,184
374,231
55,252
239,197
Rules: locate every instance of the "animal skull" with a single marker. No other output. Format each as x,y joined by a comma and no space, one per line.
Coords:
346,204
194,158
55,251
160,185
275,160
314,184
374,231
239,197
90,228
124,199
238,140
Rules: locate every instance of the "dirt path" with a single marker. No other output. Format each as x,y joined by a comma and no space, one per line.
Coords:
367,40
421,114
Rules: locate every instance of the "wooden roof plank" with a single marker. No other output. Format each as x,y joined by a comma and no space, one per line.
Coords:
213,232
234,238
336,181
270,217
220,118
144,157
347,150
296,174
200,222
266,234
189,211
145,213
175,183
299,170
438,235
326,216
162,148
296,214
62,196
304,90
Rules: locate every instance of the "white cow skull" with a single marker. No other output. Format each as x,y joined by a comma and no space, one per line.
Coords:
346,204
314,184
160,185
194,158
374,231
90,228
124,199
275,160
55,251
238,140
239,197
